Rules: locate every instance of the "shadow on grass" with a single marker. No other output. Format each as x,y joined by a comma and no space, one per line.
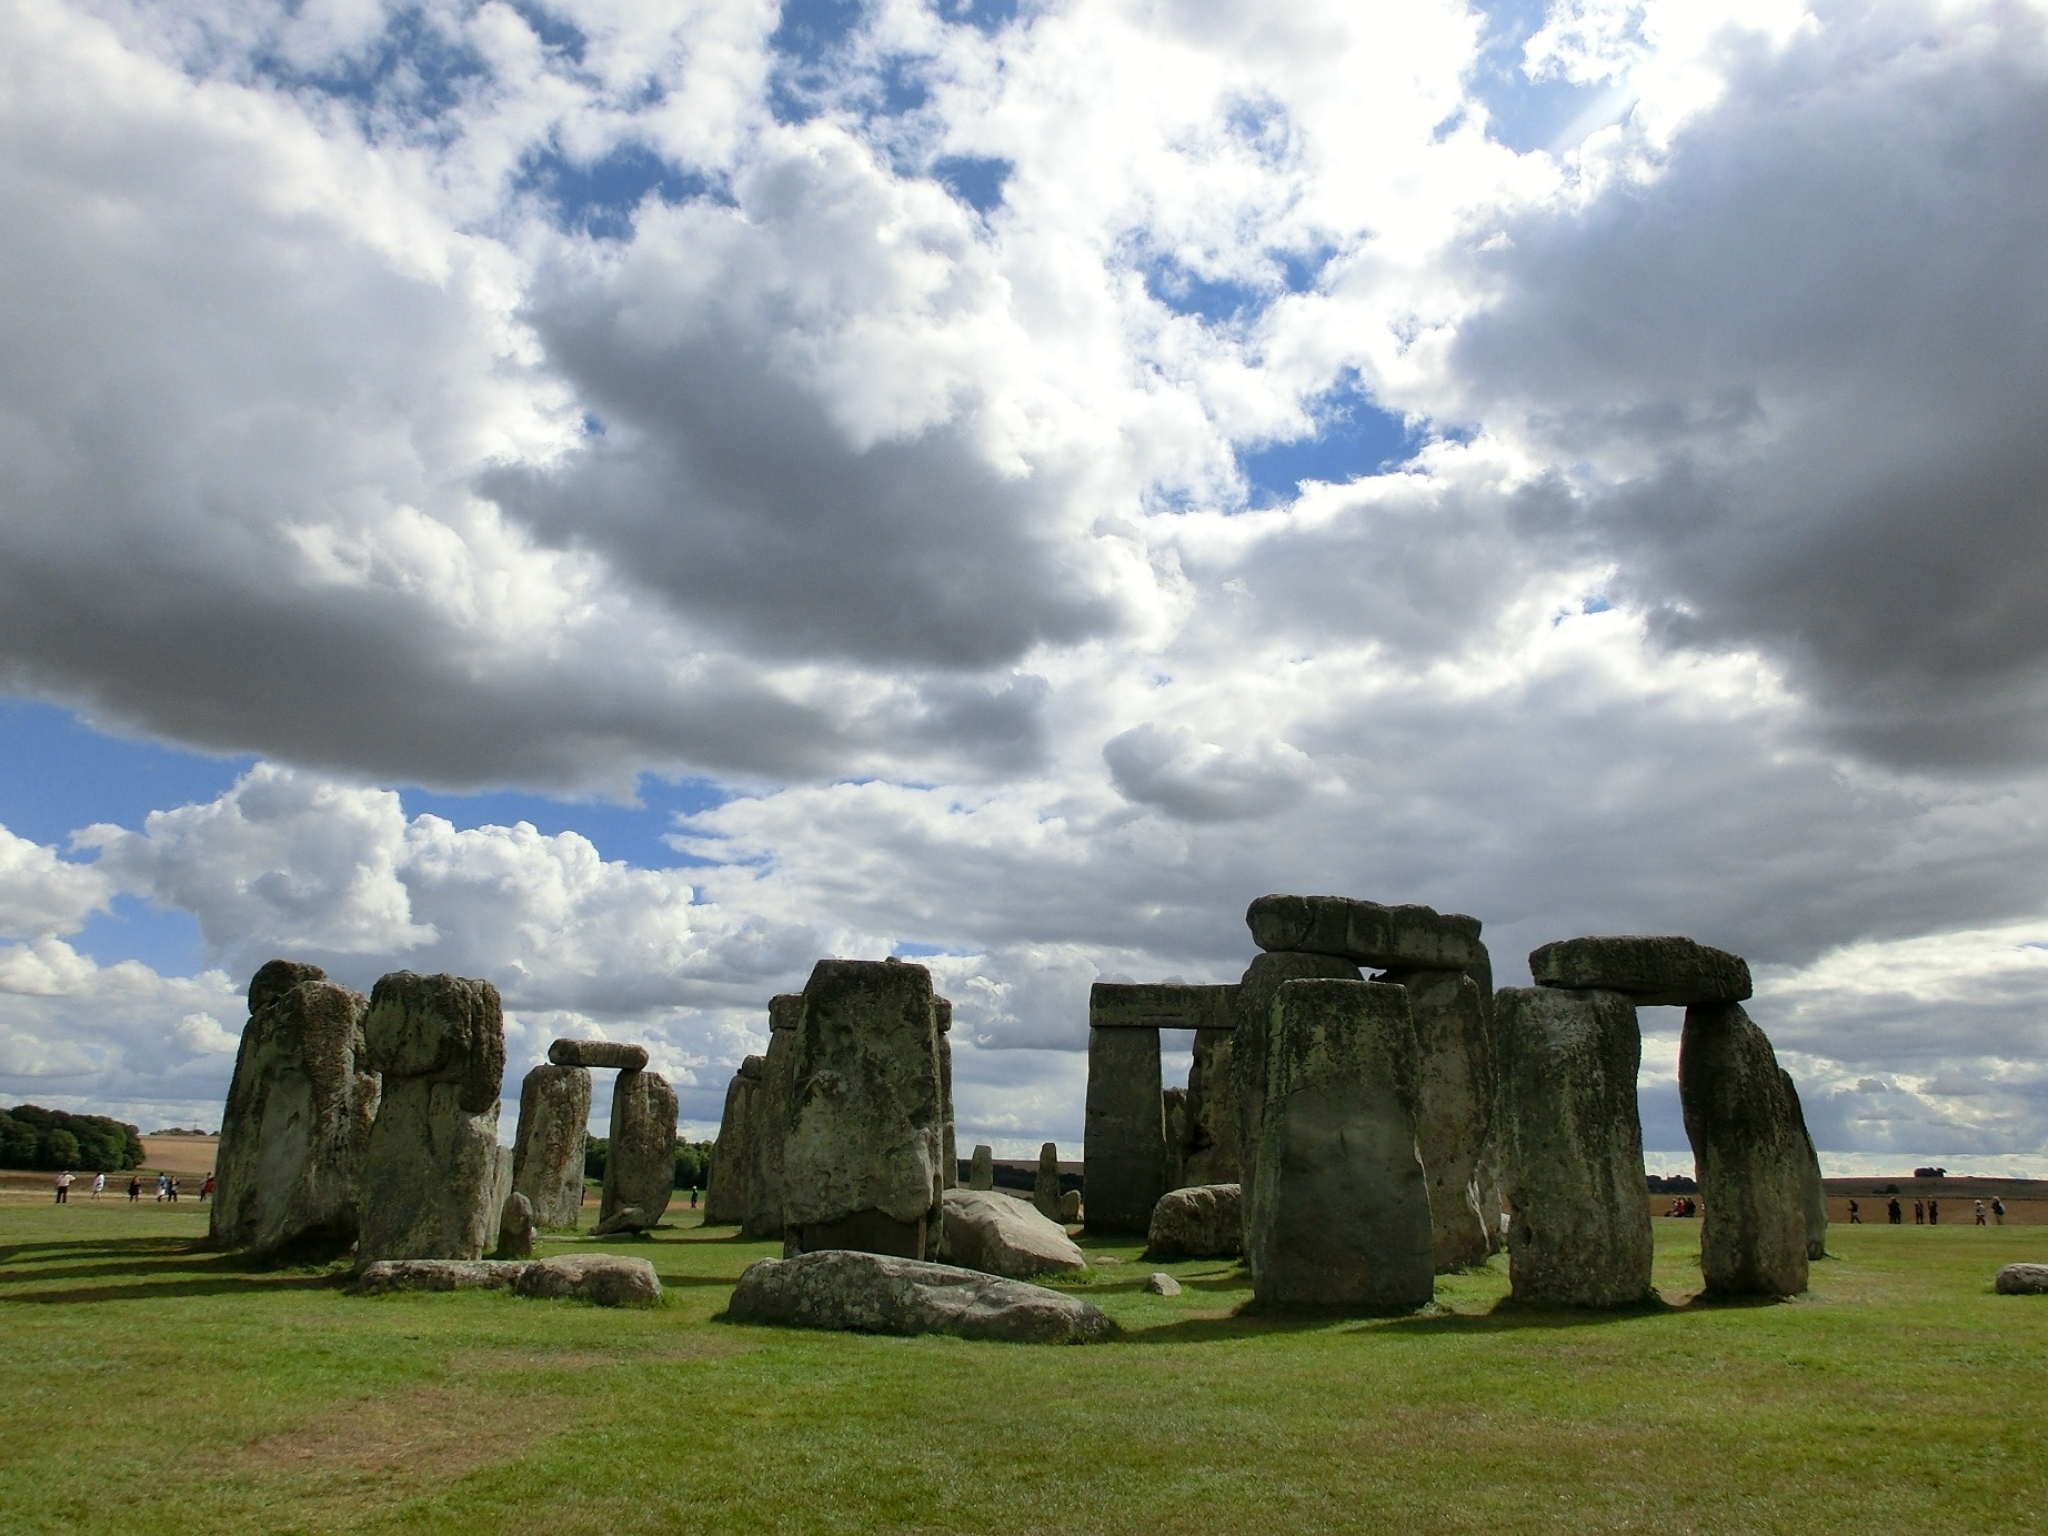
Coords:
1506,1315
157,1290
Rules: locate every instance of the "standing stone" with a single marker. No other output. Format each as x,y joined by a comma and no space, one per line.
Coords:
431,1174
1454,1127
949,1156
640,1167
1209,1153
726,1192
1070,1208
770,1117
1339,1213
547,1152
1752,1156
1045,1187
1173,1107
1573,1136
1815,1190
866,1116
1123,1140
1262,981
983,1175
288,1170
515,1228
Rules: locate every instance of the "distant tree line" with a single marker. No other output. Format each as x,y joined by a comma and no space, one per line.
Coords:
1673,1184
693,1161
34,1137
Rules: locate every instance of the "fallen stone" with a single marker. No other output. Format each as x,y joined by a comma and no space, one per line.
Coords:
1070,1207
999,1234
1338,1215
602,1279
1813,1190
388,1275
1401,938
726,1191
771,1117
1262,981
640,1166
1652,971
547,1150
515,1228
627,1218
878,1293
1045,1184
1752,1154
598,1053
1162,1285
1573,1142
2022,1280
1454,1117
1203,1222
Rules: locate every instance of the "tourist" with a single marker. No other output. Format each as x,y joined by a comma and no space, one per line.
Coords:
134,1188
693,1197
1855,1220
1998,1210
206,1189
1919,1213
64,1187
174,1191
163,1188
1980,1213
1934,1213
1892,1211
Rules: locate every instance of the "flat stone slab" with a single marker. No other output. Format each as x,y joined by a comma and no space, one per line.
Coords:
847,1291
598,1053
1160,1005
2022,1280
999,1234
1401,938
1204,1222
1658,971
388,1275
602,1279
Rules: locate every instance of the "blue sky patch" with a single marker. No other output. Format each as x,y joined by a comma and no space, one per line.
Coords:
1354,437
973,179
600,198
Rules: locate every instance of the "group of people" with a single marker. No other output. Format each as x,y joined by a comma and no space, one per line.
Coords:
1927,1213
166,1187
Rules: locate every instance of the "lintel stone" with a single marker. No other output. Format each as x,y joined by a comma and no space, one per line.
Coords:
1652,971
1401,938
1160,1005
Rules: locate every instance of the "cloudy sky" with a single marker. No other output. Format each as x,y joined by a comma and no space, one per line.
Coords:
625,497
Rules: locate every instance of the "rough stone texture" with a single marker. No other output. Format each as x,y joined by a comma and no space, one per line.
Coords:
640,1167
1751,1153
598,1053
949,1151
515,1228
1813,1191
2022,1280
727,1194
1652,971
1157,1005
983,1174
288,1170
547,1152
866,1116
1162,1285
771,1117
1123,1141
626,1219
1338,1215
388,1275
602,1279
1045,1184
1070,1207
1255,993
1208,1152
433,1182
1173,1109
1403,938
1454,1118
1573,1142
1204,1222
999,1234
875,1293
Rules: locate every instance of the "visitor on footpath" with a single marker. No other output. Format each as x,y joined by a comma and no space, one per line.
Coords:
163,1187
1934,1213
1892,1211
693,1197
64,1187
174,1191
1998,1210
206,1189
1980,1213
1919,1213
134,1188
1855,1220
99,1184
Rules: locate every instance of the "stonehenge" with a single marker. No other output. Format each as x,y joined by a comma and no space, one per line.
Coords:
1200,1222
297,1122
1813,1192
999,1234
640,1167
879,1293
1129,1156
725,1192
983,1174
1648,970
1749,1139
547,1151
770,1120
1045,1187
1455,1089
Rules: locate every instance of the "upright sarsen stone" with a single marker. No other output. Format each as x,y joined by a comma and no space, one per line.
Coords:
1209,1155
547,1150
1454,1113
432,1173
1252,1007
640,1167
1045,1185
771,1117
1815,1190
1580,1229
983,1174
727,1194
288,1169
1751,1151
865,1127
1339,1212
1123,1145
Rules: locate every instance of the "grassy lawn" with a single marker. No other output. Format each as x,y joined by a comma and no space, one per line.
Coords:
147,1388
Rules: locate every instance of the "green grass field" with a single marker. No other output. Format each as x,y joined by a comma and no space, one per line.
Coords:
148,1388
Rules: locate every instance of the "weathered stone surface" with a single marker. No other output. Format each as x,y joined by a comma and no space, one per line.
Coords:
1070,1207
1208,1153
515,1228
1162,1285
949,1146
602,1279
866,1117
1573,1138
1454,1119
983,1173
288,1170
999,1234
388,1275
433,1181
1123,1146
1203,1222
1813,1191
2022,1280
1338,1214
626,1219
1045,1184
727,1193
640,1167
876,1293
1750,1152
771,1117
598,1053
1651,971
547,1151
1401,938
1173,1109
1157,1005
1262,981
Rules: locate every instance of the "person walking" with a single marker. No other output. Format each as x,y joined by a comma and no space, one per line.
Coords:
64,1187
1998,1210
134,1188
206,1189
163,1188
1919,1213
1934,1213
1980,1213
1892,1211
174,1191
99,1185
1855,1220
